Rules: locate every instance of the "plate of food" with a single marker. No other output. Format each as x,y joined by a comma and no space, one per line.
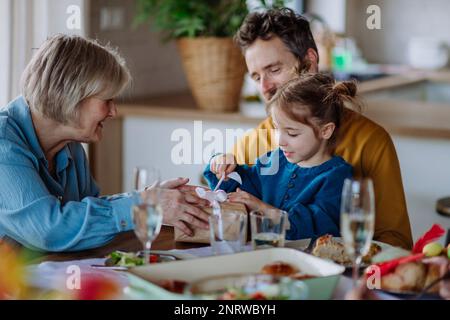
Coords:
417,277
120,260
248,287
332,248
409,279
275,281
320,276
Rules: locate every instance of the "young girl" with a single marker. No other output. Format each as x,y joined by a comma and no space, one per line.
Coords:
302,176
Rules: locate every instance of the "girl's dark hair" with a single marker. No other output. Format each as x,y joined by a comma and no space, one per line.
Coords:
316,99
293,30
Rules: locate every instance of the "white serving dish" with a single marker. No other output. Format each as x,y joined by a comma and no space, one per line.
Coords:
322,287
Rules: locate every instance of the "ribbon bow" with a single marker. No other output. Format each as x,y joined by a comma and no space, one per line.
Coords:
216,196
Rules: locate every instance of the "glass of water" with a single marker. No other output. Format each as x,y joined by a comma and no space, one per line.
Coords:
357,220
146,211
228,232
268,228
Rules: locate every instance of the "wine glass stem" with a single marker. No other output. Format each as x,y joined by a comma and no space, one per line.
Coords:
355,272
148,246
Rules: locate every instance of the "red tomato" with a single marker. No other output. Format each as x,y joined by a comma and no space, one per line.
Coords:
153,258
258,296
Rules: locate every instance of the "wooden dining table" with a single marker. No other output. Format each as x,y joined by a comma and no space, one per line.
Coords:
125,241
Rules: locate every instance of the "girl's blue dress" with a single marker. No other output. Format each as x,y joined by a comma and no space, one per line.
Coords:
311,196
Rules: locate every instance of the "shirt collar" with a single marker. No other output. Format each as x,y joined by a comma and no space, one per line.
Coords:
63,158
21,113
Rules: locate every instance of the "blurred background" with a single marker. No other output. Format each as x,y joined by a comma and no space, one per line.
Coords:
397,49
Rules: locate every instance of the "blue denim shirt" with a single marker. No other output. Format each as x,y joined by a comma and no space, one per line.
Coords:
52,214
311,196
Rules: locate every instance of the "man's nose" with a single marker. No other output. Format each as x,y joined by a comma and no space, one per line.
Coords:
268,88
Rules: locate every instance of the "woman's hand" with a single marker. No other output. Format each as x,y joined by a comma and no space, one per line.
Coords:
189,192
250,201
223,164
180,207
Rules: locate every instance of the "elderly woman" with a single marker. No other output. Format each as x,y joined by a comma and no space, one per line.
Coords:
48,198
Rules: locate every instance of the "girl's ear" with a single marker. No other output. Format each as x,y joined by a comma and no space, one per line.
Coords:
326,131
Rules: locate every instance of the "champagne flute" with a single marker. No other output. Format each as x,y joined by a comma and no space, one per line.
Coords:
147,213
145,177
357,220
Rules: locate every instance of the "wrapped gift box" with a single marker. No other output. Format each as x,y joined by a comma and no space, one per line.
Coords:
202,235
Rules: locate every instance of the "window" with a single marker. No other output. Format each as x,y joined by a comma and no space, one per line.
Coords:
24,25
5,50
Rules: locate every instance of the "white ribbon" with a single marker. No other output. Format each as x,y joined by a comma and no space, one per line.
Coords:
216,196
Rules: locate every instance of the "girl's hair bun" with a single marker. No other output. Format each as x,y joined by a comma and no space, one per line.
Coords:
345,89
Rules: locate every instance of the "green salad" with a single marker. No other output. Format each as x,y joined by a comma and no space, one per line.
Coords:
124,259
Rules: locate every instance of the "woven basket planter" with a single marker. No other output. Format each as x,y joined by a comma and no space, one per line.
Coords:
215,70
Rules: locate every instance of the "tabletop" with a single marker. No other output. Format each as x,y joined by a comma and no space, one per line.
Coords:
125,241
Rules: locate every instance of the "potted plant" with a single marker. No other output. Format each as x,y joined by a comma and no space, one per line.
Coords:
203,30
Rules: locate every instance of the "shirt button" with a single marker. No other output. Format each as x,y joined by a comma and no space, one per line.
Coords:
286,197
290,185
60,198
294,176
123,224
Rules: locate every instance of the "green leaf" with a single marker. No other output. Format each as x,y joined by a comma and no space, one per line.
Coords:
189,18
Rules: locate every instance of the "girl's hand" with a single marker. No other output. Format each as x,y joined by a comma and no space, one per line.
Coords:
251,202
223,164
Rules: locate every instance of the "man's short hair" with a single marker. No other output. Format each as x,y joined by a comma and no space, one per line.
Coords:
68,69
293,30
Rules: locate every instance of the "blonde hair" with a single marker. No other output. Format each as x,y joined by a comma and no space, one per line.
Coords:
69,69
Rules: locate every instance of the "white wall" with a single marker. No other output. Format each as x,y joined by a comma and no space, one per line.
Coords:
333,12
425,166
32,21
148,142
57,16
400,21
